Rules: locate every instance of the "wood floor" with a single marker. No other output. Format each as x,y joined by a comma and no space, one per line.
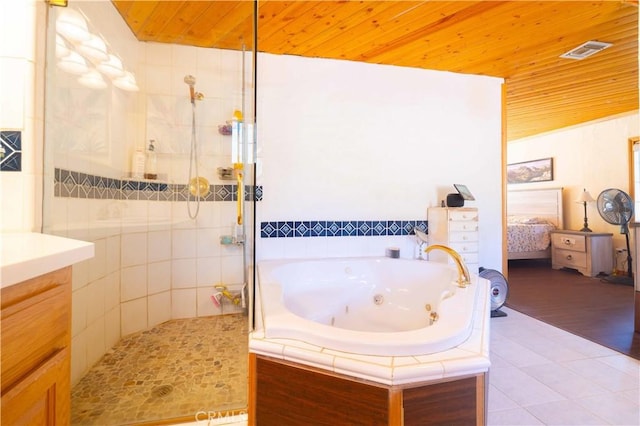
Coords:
588,307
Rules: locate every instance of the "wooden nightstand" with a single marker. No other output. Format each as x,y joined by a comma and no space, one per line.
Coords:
588,252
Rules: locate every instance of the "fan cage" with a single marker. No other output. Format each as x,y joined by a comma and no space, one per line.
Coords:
616,207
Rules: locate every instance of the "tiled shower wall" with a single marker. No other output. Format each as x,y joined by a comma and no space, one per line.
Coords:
21,121
152,261
146,270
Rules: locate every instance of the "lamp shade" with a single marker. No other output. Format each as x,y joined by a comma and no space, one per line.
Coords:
585,197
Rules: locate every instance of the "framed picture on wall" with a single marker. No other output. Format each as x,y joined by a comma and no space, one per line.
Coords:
530,171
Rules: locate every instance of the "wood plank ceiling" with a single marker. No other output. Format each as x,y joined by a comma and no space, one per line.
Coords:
520,41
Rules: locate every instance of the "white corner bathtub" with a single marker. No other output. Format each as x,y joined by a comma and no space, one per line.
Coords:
367,306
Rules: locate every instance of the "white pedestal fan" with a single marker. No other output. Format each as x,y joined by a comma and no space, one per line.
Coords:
616,207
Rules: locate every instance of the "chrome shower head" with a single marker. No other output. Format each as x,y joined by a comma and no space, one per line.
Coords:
191,81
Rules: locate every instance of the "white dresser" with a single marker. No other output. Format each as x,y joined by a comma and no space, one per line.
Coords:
457,228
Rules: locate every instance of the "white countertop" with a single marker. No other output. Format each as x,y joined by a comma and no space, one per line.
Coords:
26,255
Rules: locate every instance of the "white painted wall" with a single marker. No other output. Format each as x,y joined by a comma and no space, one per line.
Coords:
343,140
592,156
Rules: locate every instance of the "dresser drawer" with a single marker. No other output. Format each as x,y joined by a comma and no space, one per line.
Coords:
569,242
467,226
570,259
462,237
470,259
457,215
463,248
588,252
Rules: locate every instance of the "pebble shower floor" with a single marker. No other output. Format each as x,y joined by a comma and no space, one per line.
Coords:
176,369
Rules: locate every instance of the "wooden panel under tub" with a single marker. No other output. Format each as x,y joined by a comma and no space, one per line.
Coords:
285,393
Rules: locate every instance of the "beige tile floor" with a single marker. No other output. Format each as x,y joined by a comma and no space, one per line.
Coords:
172,370
541,375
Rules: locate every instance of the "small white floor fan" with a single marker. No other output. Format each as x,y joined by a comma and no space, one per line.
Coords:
498,290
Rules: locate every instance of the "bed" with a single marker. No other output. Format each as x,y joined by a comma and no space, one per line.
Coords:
531,215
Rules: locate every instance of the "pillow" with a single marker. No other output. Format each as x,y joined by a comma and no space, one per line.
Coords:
526,220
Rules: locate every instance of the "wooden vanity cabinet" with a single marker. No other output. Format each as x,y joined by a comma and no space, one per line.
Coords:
36,349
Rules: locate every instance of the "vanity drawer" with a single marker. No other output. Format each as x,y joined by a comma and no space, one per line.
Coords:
570,259
42,396
569,242
36,319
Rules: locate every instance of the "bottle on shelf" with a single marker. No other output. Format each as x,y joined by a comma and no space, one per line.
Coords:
150,168
137,164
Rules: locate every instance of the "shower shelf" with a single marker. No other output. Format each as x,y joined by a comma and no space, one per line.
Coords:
134,179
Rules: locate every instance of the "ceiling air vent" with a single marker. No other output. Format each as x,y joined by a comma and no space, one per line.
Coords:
585,49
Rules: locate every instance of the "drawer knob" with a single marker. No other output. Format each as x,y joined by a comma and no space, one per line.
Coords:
569,257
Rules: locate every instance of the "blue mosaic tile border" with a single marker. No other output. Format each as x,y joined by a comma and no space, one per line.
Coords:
70,184
10,151
332,228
